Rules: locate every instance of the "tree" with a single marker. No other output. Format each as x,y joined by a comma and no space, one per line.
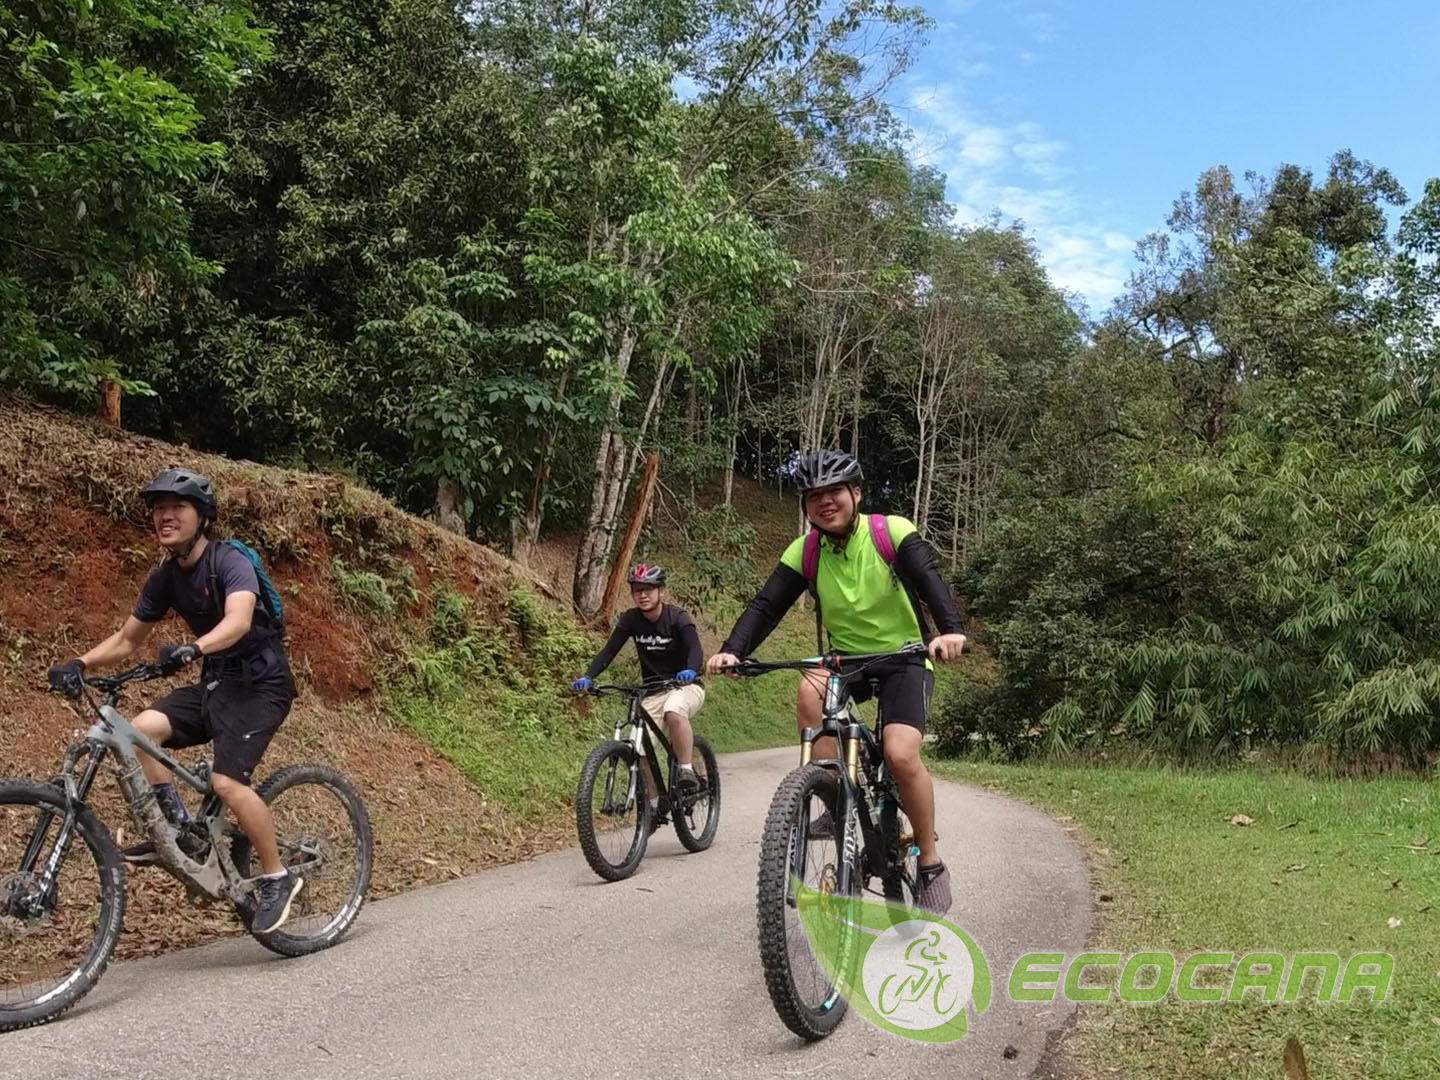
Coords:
100,155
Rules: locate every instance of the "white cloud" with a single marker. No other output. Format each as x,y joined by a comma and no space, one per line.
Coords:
1018,171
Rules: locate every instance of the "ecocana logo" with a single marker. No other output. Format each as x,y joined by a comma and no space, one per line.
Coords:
917,975
1148,977
906,971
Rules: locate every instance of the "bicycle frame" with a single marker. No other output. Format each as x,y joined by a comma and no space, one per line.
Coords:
217,878
644,728
863,757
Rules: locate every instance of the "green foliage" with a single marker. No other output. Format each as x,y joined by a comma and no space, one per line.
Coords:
494,698
1204,568
372,593
100,157
720,548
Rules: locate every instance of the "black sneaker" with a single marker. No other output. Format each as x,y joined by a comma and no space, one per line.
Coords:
272,905
688,783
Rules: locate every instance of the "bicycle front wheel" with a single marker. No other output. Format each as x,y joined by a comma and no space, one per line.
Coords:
797,842
53,947
323,832
612,815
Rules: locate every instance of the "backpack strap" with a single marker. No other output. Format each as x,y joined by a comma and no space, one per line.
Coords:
809,567
810,557
213,572
880,534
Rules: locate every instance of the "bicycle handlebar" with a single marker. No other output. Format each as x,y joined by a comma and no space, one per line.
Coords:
833,662
632,689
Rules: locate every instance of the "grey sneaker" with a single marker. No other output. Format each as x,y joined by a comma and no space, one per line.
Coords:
934,888
272,905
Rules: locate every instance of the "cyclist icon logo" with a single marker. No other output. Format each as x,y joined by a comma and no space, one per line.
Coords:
907,971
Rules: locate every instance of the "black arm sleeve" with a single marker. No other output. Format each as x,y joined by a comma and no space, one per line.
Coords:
765,611
694,655
916,568
621,634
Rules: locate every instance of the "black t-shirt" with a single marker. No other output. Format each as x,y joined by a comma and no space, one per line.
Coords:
665,646
187,591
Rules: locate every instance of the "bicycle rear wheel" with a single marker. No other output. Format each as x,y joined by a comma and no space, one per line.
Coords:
612,815
53,948
324,834
807,1002
698,816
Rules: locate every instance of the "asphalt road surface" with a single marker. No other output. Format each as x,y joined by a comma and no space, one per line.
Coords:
541,970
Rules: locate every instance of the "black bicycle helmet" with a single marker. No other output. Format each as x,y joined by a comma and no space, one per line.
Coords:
821,468
183,484
646,574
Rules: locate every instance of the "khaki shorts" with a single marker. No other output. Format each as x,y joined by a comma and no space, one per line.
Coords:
685,700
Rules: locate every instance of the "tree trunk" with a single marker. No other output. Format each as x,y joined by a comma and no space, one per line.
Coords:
110,402
525,530
632,535
593,556
447,507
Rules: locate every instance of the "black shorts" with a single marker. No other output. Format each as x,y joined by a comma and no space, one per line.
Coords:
904,688
241,717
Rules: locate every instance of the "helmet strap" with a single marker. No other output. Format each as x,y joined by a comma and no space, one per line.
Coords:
184,553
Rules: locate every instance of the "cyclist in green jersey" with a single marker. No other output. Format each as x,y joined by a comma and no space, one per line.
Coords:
867,604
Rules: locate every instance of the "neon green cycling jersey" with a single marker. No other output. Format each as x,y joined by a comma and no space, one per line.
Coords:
862,604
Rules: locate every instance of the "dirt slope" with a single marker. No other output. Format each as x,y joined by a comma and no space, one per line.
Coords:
74,548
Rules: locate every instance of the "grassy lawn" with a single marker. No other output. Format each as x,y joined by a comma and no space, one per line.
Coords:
1325,865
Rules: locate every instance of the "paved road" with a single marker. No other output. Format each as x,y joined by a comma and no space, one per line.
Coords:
540,970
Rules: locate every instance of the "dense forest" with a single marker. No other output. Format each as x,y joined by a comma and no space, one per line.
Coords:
487,257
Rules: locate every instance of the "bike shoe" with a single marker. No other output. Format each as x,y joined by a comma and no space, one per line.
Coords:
687,783
934,882
272,905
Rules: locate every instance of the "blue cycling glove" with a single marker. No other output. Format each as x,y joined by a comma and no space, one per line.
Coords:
686,676
581,684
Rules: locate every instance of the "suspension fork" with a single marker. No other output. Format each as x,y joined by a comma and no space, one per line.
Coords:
74,796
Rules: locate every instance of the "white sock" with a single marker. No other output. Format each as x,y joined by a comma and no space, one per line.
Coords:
655,803
687,768
272,877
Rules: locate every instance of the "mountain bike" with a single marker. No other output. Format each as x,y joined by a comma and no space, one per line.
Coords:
62,903
868,837
612,814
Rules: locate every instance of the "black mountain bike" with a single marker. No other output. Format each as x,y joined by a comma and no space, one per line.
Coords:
62,903
613,814
835,824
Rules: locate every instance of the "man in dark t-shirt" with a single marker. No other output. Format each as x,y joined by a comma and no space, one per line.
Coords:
669,648
245,686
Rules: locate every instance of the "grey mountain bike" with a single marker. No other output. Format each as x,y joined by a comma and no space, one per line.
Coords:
62,881
613,815
867,837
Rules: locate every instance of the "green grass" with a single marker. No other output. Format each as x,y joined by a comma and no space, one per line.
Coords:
1324,866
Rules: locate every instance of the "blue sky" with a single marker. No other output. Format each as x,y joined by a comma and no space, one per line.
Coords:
1086,118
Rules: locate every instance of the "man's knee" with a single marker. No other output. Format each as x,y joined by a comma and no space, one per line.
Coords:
809,699
674,719
226,786
153,724
902,751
